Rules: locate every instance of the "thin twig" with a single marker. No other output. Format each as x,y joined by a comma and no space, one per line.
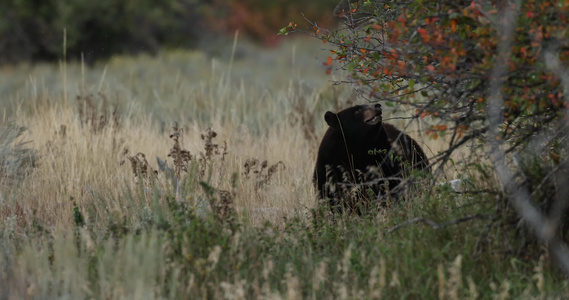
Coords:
519,195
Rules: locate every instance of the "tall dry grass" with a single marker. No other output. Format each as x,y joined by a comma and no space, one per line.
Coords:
266,106
254,105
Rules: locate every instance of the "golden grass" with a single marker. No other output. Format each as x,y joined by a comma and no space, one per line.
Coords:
265,107
81,164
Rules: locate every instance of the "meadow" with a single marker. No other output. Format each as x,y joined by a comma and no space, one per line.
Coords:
87,213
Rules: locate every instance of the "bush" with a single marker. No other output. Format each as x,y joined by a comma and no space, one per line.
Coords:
490,75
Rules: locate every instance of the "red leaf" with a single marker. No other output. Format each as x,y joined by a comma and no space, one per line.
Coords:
424,35
376,27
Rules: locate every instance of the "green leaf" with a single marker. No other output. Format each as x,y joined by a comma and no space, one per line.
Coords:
78,218
351,66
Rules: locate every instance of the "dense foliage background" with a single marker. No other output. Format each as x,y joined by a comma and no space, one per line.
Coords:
33,30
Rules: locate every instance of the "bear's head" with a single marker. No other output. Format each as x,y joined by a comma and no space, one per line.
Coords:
356,122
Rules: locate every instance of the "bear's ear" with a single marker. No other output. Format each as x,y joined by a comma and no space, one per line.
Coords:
331,119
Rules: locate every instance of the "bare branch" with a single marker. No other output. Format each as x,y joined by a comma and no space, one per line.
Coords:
518,194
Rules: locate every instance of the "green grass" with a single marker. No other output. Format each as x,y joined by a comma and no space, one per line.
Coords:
81,226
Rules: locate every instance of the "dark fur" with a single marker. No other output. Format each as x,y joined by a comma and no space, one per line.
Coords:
352,149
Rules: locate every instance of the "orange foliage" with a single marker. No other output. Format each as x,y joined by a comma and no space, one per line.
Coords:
262,20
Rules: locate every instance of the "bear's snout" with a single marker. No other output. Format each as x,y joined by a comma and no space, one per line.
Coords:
372,114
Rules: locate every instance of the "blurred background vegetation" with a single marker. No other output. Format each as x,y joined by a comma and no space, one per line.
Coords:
33,30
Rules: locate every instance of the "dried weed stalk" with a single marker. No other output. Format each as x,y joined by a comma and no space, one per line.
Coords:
221,202
16,212
181,157
211,149
97,113
223,206
140,166
61,131
261,171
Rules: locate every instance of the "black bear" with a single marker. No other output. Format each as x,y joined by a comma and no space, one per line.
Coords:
361,154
